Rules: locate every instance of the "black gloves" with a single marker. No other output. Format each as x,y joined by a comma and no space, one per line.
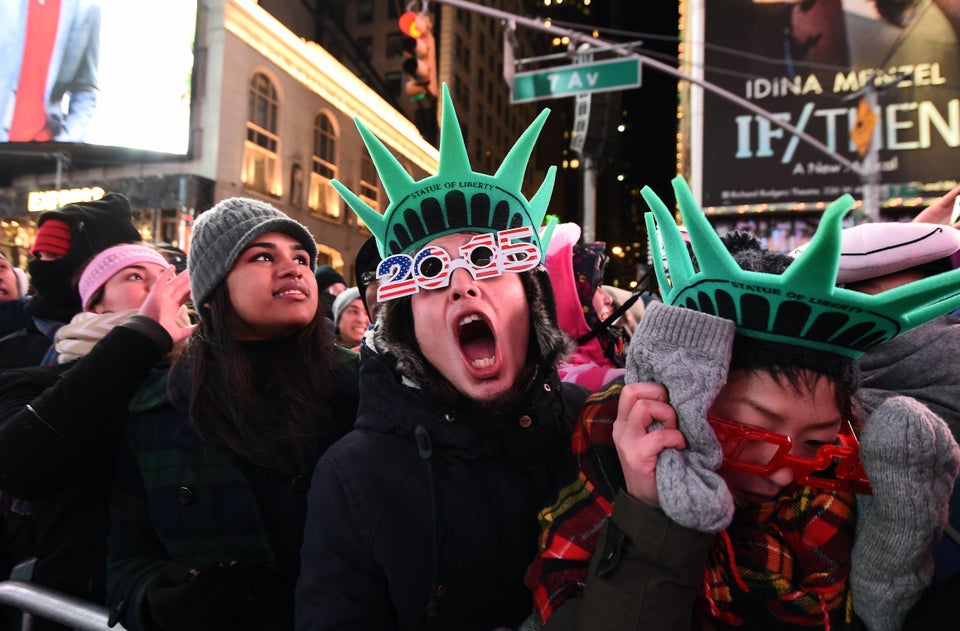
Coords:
231,596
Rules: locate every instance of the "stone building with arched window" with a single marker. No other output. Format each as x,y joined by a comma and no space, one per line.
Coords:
270,116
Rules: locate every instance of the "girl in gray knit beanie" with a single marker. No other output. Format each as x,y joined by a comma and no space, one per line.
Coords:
257,395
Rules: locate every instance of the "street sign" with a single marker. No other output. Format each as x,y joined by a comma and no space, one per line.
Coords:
599,76
581,121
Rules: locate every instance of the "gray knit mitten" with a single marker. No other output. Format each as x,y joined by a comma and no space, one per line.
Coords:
687,352
912,460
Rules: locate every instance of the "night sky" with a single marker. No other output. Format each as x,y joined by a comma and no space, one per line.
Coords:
645,153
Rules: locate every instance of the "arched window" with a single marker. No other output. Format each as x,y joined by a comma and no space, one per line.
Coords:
323,199
260,162
369,183
369,186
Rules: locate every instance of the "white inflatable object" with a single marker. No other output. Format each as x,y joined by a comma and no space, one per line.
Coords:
870,250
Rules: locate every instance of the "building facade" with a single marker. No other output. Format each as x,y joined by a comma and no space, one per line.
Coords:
272,117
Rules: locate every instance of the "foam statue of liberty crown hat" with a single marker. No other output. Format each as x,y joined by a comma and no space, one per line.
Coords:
908,453
803,305
457,199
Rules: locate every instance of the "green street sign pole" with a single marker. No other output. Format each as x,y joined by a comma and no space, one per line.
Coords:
600,76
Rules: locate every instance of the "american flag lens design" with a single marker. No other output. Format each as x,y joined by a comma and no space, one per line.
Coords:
835,467
484,256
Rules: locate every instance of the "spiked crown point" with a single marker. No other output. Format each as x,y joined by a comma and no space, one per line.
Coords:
456,199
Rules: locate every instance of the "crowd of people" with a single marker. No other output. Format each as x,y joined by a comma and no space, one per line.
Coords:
477,432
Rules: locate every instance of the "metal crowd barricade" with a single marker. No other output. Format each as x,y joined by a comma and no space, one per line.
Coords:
36,600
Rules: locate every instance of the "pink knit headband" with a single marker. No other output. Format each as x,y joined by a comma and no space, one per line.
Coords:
109,262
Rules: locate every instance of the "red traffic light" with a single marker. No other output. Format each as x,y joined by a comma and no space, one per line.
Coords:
420,61
413,24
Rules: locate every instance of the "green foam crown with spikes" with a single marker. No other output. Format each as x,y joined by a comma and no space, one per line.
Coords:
456,199
803,305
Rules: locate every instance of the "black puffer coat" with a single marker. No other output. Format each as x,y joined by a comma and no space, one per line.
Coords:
425,515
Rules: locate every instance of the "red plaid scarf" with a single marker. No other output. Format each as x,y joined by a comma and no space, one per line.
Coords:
571,526
791,555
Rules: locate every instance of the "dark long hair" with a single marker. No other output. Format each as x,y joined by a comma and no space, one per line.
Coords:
267,402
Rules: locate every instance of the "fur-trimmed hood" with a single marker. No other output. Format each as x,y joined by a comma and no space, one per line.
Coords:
393,335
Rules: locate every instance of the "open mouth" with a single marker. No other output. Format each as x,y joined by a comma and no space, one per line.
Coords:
477,342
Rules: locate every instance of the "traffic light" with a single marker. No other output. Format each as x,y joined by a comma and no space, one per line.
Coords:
420,59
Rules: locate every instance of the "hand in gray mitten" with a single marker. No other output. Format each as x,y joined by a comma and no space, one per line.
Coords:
688,352
912,460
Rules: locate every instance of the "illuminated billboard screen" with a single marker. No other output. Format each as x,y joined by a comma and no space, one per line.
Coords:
812,64
113,73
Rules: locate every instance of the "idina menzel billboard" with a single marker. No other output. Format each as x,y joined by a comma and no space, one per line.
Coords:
809,64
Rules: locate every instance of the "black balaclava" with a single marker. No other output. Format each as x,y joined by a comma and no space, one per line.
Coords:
94,227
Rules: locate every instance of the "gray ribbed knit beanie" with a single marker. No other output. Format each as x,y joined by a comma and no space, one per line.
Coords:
344,298
221,234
